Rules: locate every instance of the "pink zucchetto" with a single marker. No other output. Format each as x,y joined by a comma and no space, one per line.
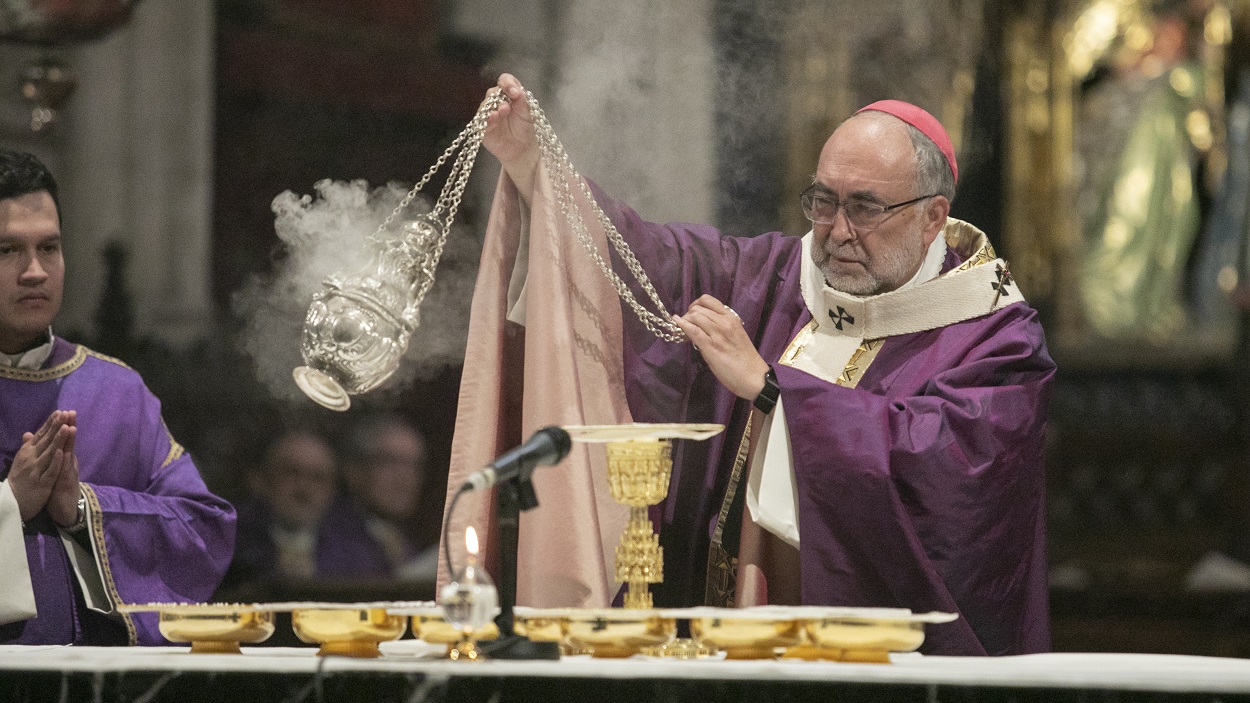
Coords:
923,121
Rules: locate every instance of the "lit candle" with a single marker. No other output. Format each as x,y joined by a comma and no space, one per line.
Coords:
470,544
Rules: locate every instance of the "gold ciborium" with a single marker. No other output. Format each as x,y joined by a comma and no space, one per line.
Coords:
640,464
348,630
866,635
745,633
617,632
211,628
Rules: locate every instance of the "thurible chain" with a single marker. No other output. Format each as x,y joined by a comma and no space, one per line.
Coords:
561,171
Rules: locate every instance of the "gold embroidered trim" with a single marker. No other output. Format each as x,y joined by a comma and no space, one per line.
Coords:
722,567
62,369
798,343
855,366
97,537
966,241
859,361
982,256
175,449
105,357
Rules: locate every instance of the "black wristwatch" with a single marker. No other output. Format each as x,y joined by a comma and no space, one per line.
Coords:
767,399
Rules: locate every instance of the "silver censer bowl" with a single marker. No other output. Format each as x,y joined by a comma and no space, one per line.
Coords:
358,326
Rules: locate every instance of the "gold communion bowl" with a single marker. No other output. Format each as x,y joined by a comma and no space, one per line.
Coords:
744,633
863,634
430,626
210,628
539,625
809,632
434,629
615,632
350,630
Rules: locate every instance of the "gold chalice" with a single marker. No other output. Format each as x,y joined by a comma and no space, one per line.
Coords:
639,466
211,628
349,630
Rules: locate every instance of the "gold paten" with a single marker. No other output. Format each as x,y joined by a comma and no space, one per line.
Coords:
348,632
682,648
540,629
809,632
547,626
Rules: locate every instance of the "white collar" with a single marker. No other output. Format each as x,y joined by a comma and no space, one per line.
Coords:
31,359
927,301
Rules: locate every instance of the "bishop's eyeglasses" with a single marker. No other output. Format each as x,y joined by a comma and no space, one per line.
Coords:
862,215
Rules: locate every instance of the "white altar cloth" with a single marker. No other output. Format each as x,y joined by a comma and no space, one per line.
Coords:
1126,672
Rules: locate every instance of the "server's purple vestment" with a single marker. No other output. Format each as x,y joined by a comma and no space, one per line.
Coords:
921,488
161,535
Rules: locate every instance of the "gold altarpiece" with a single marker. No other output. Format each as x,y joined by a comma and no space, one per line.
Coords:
1054,60
1115,165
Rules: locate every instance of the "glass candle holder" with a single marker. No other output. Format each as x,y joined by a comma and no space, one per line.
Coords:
469,601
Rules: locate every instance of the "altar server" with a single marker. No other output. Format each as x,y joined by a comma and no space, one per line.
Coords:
99,505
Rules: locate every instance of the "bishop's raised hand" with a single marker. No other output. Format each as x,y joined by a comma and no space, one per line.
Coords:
510,136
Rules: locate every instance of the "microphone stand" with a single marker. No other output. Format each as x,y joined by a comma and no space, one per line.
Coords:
513,496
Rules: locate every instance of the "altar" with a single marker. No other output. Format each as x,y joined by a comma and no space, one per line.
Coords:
410,670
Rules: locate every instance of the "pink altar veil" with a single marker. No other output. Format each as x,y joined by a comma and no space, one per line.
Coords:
562,368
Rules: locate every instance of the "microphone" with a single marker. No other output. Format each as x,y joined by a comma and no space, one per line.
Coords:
548,446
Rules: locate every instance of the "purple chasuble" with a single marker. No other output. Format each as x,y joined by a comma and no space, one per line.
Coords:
161,535
921,488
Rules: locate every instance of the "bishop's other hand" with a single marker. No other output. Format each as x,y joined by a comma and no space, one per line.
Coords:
719,336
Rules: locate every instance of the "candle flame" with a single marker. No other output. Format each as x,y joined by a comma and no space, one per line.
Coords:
470,540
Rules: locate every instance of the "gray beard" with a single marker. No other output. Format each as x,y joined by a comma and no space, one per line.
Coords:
886,273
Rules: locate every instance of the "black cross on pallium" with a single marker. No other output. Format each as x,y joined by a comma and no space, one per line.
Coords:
1002,284
841,316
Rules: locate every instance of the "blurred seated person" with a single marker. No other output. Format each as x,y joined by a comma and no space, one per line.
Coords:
283,531
385,471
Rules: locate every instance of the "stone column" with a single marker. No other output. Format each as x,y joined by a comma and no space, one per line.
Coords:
133,154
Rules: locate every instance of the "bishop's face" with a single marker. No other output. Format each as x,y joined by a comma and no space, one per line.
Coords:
870,158
32,269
